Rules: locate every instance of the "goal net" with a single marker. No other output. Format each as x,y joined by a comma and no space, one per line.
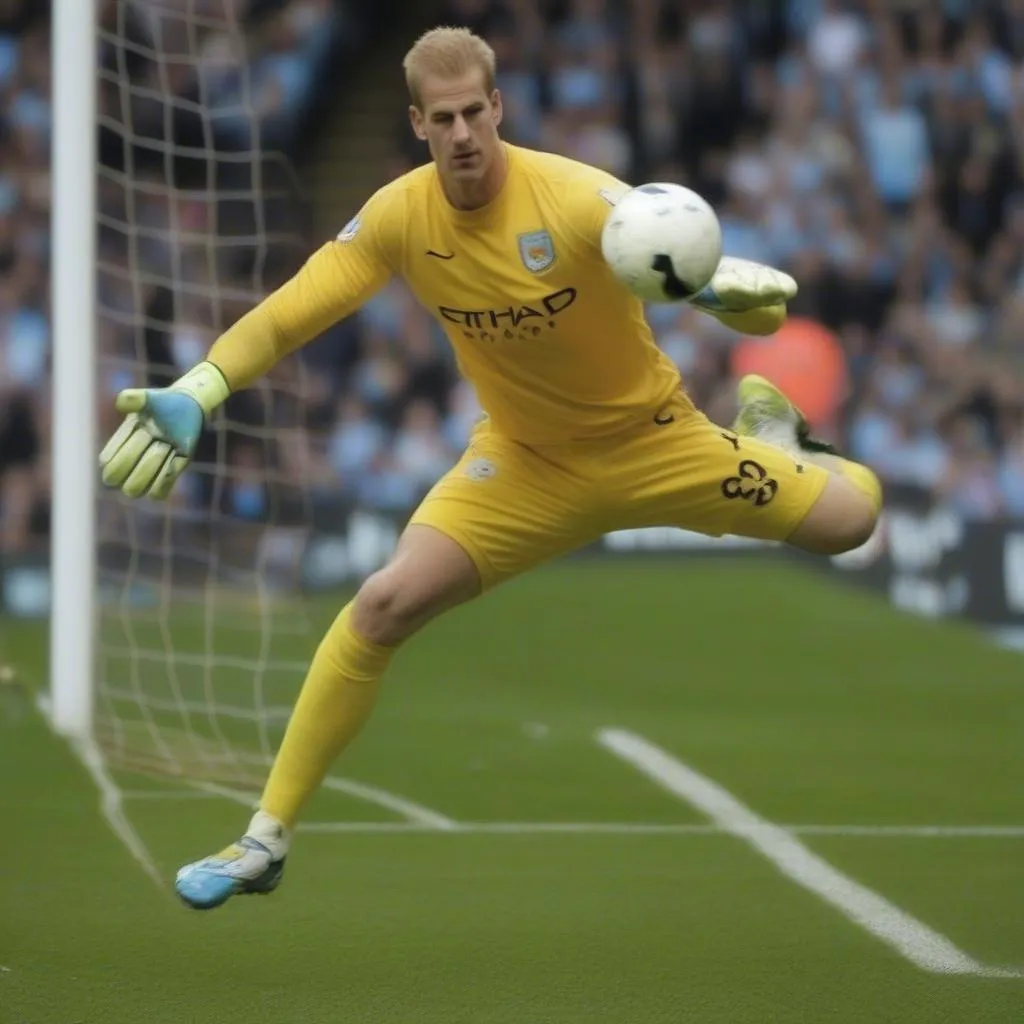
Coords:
202,641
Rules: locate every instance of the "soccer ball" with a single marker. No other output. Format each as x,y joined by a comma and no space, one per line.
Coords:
662,241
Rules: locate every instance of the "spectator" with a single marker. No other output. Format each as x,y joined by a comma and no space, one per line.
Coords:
356,445
877,154
896,149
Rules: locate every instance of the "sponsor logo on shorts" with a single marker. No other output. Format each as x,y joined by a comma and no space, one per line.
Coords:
751,483
481,469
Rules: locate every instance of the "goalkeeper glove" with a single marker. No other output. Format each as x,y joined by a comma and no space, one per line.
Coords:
151,449
747,296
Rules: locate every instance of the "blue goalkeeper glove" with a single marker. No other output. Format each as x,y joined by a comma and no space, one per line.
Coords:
151,449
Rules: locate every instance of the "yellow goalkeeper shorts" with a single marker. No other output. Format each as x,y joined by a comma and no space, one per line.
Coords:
512,506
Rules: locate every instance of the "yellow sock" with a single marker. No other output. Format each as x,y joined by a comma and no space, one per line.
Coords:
336,699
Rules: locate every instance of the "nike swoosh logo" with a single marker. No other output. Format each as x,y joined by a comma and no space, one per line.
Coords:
440,255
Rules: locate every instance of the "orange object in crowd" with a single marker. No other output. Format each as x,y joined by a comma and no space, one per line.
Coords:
804,359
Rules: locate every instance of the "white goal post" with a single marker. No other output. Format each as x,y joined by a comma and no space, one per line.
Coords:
179,636
73,459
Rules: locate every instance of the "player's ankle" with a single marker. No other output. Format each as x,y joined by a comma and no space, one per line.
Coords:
266,829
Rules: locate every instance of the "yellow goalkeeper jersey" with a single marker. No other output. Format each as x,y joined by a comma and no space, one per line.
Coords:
556,348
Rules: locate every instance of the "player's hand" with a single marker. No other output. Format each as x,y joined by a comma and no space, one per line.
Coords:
741,285
151,449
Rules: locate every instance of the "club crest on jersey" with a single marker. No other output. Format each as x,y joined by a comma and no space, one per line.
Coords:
537,250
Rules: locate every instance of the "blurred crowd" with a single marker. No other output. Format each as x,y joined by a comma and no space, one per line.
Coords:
193,96
874,148
25,117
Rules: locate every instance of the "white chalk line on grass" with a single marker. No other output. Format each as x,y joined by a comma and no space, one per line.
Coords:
111,798
112,806
408,809
201,788
911,938
415,814
166,794
639,828
212,791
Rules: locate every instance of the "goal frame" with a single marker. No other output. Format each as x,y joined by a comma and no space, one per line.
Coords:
74,41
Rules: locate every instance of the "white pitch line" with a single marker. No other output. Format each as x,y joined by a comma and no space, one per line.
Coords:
212,791
111,803
911,938
113,809
166,794
413,812
417,816
250,801
912,831
639,828
370,827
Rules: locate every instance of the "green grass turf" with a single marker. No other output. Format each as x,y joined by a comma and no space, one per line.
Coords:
812,704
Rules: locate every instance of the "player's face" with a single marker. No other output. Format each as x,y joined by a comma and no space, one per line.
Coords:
459,122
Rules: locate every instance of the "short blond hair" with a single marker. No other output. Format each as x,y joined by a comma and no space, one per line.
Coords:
447,53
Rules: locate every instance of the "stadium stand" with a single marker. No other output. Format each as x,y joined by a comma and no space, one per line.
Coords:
874,149
160,63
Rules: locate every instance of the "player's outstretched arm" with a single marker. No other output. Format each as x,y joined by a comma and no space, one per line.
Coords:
748,297
155,443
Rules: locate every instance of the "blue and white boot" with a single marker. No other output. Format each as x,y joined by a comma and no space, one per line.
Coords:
254,864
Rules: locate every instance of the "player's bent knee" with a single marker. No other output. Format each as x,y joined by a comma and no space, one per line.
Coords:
428,575
378,614
843,518
388,610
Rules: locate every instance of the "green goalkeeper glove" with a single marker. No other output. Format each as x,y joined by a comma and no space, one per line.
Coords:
151,449
739,285
747,296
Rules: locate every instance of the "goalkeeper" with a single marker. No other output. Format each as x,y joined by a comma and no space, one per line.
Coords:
588,428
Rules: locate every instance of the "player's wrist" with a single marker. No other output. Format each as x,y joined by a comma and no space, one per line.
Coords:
205,384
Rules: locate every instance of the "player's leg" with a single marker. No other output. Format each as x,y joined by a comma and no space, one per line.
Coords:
846,512
428,574
842,518
502,510
682,470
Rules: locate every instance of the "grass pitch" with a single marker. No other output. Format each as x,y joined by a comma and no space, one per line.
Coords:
572,887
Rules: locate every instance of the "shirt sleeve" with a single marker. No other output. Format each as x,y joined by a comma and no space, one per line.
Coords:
588,202
334,282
